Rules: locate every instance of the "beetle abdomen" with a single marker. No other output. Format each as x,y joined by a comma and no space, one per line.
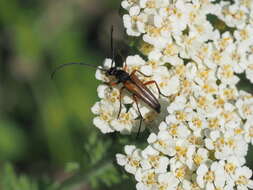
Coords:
138,89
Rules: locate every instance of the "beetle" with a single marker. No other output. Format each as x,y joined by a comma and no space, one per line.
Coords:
130,82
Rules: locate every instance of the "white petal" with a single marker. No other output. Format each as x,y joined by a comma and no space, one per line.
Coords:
121,159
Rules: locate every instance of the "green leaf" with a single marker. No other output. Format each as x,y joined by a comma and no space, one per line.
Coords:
10,181
72,167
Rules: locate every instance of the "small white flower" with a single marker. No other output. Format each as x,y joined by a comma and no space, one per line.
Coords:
242,178
168,83
249,69
147,179
197,122
180,170
210,177
126,4
100,75
178,104
153,160
245,105
248,127
167,181
203,29
196,157
234,15
226,75
230,166
163,143
174,128
132,160
238,58
126,123
106,112
243,35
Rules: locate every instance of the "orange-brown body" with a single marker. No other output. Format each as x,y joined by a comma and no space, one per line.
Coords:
136,87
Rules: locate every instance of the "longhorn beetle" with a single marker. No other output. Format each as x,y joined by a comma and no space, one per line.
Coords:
130,82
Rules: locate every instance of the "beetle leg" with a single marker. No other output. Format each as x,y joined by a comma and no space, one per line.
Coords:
111,83
134,71
124,66
120,104
136,101
123,60
154,82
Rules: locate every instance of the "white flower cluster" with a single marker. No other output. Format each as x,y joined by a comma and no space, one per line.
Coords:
206,123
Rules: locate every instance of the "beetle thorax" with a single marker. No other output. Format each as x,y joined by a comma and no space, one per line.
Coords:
119,74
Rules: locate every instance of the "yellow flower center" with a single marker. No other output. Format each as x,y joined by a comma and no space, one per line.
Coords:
194,186
209,177
216,56
153,31
204,74
230,168
150,4
171,49
202,101
227,71
197,159
224,42
251,132
231,143
219,102
173,130
162,187
192,16
208,88
195,140
242,180
214,123
238,131
146,48
197,122
105,116
180,70
229,93
239,15
247,110
150,179
235,56
181,151
162,143
154,161
180,172
180,115
125,118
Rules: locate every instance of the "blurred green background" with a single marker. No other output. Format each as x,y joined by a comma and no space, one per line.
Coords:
47,140
46,130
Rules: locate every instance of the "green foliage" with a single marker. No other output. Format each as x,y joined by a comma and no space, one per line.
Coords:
219,24
72,167
12,141
11,181
46,125
98,168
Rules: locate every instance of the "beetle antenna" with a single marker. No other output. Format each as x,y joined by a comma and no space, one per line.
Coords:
122,58
67,64
112,47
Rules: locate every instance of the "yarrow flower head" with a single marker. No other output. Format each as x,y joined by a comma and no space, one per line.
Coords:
194,51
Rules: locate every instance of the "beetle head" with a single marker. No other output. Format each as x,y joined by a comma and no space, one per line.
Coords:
112,71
